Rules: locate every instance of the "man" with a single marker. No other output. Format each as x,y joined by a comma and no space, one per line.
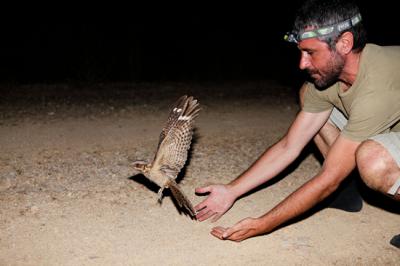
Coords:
351,110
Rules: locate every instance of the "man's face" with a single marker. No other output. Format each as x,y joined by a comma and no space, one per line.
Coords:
323,64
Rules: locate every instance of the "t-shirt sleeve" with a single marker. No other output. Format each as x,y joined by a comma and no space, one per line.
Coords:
313,100
373,115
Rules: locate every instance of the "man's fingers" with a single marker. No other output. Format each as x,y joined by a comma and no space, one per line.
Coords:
216,217
240,231
203,190
202,214
232,230
205,215
202,205
201,211
237,236
218,232
228,233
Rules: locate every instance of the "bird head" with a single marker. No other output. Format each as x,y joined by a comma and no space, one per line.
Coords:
141,166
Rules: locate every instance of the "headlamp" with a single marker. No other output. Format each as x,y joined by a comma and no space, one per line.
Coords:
296,37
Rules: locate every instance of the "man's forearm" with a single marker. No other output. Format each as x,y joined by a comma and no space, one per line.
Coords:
297,203
270,164
338,165
281,154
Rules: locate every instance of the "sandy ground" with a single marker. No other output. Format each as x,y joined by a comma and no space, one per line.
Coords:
67,195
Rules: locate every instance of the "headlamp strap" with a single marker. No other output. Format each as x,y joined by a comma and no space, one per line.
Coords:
321,32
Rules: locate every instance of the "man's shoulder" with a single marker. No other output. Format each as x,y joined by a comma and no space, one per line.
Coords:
325,92
374,46
379,66
319,100
373,52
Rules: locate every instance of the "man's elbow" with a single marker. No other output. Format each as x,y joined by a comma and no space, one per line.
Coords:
329,189
291,147
329,185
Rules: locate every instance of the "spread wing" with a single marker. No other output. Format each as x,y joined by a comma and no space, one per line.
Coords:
176,136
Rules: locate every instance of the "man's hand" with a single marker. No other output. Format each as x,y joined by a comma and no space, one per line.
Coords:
219,201
244,229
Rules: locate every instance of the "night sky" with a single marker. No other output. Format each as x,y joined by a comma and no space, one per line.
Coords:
161,46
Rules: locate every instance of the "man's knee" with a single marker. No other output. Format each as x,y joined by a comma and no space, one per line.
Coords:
372,162
369,164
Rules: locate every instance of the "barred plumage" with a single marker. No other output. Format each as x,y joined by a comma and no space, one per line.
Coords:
172,151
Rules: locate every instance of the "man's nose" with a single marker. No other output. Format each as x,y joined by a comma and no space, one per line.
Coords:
304,61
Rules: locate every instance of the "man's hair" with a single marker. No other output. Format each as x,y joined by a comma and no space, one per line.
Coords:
323,13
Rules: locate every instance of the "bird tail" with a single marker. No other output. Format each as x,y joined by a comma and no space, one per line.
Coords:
180,197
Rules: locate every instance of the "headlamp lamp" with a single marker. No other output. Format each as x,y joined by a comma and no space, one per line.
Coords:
296,37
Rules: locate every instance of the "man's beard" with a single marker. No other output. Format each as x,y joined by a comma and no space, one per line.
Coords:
330,74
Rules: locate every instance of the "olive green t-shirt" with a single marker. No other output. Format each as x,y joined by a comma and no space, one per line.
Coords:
372,103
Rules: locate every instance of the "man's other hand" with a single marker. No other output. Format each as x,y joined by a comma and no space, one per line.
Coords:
219,201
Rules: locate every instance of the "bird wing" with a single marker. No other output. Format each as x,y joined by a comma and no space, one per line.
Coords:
180,197
176,136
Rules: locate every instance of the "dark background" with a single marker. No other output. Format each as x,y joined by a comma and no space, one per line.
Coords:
196,44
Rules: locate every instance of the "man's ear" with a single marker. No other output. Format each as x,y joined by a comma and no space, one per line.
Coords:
345,43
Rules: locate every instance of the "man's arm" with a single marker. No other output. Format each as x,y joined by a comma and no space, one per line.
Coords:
271,163
339,163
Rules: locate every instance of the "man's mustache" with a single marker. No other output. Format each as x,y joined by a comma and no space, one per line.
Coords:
311,72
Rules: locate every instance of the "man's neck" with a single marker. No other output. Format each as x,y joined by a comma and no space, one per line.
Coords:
350,70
